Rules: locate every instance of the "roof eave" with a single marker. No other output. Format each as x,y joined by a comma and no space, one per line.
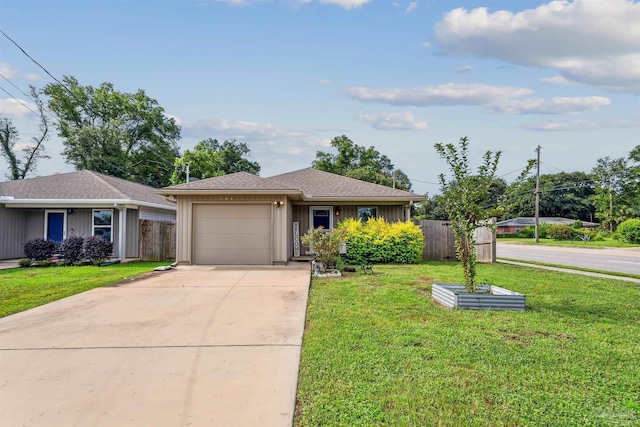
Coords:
80,203
166,192
365,199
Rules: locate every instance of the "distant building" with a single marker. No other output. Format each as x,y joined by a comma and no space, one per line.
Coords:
516,225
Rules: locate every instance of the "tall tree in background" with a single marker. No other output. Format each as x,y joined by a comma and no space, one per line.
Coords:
365,164
617,190
21,166
126,135
564,194
209,158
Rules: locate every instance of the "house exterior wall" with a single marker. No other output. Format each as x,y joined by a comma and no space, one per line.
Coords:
184,222
300,214
157,214
12,232
79,223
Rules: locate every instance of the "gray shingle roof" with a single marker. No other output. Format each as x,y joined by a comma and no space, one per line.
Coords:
319,184
241,181
311,182
81,185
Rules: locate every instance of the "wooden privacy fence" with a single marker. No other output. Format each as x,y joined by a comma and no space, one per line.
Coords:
439,243
157,240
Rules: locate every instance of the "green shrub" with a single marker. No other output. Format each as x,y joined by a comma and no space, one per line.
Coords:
378,241
527,233
561,232
543,230
629,231
24,263
577,224
325,244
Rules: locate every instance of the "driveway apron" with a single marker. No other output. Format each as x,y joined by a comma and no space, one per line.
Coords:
198,346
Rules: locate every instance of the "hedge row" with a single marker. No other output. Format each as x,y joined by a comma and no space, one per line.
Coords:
72,250
378,241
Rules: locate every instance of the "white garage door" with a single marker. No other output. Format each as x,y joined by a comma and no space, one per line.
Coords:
231,234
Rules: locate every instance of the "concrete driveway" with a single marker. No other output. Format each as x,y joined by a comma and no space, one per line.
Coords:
198,346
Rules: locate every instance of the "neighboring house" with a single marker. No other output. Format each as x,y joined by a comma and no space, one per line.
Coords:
82,203
516,225
245,219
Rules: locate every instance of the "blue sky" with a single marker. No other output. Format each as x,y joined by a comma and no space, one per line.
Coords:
287,76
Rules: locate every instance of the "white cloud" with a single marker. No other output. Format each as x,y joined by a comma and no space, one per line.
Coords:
556,80
425,44
594,42
465,69
238,129
559,105
580,125
11,72
325,82
412,6
403,120
177,119
12,108
346,4
446,94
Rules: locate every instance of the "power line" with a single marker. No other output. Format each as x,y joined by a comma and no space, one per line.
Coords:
20,102
28,96
34,61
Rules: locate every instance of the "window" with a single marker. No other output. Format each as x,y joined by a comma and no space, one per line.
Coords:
364,214
103,223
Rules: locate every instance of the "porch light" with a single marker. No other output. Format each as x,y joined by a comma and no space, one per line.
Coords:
278,203
337,211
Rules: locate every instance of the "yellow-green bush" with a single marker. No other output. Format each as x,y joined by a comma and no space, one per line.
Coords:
378,241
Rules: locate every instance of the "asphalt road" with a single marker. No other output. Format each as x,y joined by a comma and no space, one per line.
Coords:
617,260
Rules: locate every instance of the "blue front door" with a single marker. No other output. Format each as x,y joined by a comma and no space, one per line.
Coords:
55,226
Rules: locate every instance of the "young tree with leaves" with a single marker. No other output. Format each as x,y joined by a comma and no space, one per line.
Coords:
365,164
21,166
466,200
617,190
209,158
126,135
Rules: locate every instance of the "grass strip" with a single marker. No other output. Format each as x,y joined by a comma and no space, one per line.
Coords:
571,267
378,352
25,288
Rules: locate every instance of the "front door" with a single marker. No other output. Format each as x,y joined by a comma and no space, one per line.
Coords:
322,216
55,226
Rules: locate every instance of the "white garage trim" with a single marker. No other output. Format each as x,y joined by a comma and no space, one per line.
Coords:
232,233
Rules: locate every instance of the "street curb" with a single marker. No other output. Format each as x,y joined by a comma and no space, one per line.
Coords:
568,270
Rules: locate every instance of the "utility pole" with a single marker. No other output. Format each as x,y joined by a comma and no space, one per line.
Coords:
538,194
187,172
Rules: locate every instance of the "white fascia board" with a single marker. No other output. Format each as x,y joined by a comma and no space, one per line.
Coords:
80,203
364,199
226,192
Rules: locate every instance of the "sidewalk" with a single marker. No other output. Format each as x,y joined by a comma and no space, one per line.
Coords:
571,271
8,263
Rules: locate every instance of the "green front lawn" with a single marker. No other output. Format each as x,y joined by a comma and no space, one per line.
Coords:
25,288
378,351
606,243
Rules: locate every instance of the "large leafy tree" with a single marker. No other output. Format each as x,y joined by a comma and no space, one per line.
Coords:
365,164
564,194
434,206
126,135
617,188
209,158
466,199
22,165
